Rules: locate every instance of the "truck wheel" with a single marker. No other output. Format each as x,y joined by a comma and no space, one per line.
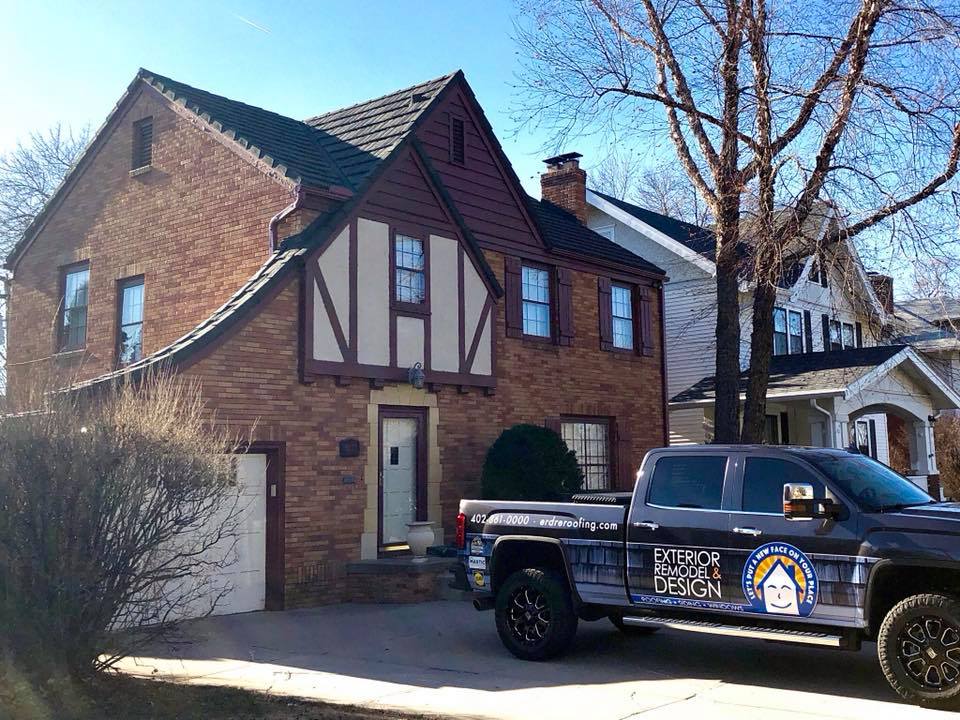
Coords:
535,617
919,649
634,630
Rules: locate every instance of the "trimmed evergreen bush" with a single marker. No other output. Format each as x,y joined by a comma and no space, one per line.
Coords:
529,462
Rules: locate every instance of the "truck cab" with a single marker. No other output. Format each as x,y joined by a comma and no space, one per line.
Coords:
809,545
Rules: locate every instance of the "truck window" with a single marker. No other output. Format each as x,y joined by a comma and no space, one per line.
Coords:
688,482
763,481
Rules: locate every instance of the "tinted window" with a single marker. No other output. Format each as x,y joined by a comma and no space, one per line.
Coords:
763,481
688,482
873,485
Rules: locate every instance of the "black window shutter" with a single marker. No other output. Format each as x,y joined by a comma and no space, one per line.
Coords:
564,306
808,329
873,439
826,332
859,335
784,429
606,313
646,321
513,310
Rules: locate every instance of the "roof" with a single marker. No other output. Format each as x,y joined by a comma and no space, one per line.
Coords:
358,138
700,240
563,231
933,310
804,374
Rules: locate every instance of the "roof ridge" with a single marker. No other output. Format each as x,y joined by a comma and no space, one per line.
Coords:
448,77
612,198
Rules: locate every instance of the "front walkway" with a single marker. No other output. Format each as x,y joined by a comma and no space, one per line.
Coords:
446,658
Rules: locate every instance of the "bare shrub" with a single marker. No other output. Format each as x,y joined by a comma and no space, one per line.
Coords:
117,509
947,438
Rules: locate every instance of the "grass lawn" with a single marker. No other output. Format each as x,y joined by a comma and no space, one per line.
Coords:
117,697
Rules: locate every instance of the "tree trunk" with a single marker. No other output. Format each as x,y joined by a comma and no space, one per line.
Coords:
727,385
761,349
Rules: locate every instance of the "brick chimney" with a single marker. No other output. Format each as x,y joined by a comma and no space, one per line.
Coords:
565,184
883,287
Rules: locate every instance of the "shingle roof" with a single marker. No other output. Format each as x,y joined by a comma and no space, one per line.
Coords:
563,231
806,373
942,309
700,240
359,137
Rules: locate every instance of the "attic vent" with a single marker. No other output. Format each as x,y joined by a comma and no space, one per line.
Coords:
419,97
457,153
142,143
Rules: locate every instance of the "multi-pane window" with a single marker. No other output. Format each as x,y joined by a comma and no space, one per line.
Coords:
787,332
842,335
409,268
130,322
590,440
536,301
73,324
621,299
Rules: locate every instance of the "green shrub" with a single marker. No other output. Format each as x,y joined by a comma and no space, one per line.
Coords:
528,462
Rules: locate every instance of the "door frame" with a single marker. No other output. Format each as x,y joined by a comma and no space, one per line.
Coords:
419,414
275,534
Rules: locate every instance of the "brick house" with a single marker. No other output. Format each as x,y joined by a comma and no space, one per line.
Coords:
371,287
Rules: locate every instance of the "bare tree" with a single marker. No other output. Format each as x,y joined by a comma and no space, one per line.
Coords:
29,175
663,187
768,108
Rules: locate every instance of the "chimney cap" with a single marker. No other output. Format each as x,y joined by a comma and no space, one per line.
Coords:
561,159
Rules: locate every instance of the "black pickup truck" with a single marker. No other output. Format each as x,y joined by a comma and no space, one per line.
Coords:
802,545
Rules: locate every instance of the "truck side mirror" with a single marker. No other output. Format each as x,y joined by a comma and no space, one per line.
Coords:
799,503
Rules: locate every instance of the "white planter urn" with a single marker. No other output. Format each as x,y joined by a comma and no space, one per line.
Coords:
420,536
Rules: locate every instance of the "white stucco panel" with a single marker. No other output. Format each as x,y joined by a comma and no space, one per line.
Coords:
373,292
409,341
483,360
444,304
334,266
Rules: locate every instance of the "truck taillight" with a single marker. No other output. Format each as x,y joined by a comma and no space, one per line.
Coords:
461,531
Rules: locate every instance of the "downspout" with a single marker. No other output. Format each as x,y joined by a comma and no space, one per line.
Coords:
816,406
276,219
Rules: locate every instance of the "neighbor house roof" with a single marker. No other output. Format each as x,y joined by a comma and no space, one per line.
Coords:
933,310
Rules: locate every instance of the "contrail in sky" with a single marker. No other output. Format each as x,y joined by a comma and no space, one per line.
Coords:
251,23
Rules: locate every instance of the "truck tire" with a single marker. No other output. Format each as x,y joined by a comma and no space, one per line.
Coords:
919,650
535,617
631,630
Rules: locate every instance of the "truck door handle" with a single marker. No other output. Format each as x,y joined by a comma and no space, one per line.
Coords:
644,525
753,532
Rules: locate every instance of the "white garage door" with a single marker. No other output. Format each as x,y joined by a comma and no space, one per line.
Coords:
247,576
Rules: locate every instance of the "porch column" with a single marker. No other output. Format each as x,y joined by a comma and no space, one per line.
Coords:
841,431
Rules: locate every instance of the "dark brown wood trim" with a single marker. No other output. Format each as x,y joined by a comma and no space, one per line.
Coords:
342,343
304,328
424,237
461,310
353,272
275,570
420,414
393,344
395,374
477,334
664,395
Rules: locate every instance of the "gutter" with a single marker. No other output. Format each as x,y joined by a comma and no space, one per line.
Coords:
816,406
299,195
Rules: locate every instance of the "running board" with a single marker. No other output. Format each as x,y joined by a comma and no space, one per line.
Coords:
792,636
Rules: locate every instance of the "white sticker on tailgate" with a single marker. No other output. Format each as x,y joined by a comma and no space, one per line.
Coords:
478,563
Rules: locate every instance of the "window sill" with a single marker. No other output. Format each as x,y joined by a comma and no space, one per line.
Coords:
137,172
410,308
69,353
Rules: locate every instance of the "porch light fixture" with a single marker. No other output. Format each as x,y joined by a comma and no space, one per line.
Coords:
416,376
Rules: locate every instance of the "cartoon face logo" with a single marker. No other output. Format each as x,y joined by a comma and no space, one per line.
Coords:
779,579
476,546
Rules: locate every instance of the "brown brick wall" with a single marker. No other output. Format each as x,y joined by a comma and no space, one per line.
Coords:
566,187
195,226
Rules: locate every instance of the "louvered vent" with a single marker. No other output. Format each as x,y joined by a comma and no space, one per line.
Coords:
142,143
457,153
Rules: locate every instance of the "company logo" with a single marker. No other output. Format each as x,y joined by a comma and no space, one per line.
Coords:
478,578
779,579
476,546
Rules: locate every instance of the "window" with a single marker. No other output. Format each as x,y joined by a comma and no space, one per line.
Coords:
590,440
866,437
848,336
872,485
688,482
842,335
817,274
73,322
622,310
142,143
457,150
763,481
771,430
409,268
787,332
536,301
130,322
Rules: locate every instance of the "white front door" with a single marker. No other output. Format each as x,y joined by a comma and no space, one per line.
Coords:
398,501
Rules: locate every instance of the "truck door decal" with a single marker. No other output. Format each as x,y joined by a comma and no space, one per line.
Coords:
779,579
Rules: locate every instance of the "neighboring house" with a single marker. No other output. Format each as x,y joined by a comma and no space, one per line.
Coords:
933,327
371,288
834,379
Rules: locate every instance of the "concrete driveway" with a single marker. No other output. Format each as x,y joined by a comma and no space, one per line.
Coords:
445,658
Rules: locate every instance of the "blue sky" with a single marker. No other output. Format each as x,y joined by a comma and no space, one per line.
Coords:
70,62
